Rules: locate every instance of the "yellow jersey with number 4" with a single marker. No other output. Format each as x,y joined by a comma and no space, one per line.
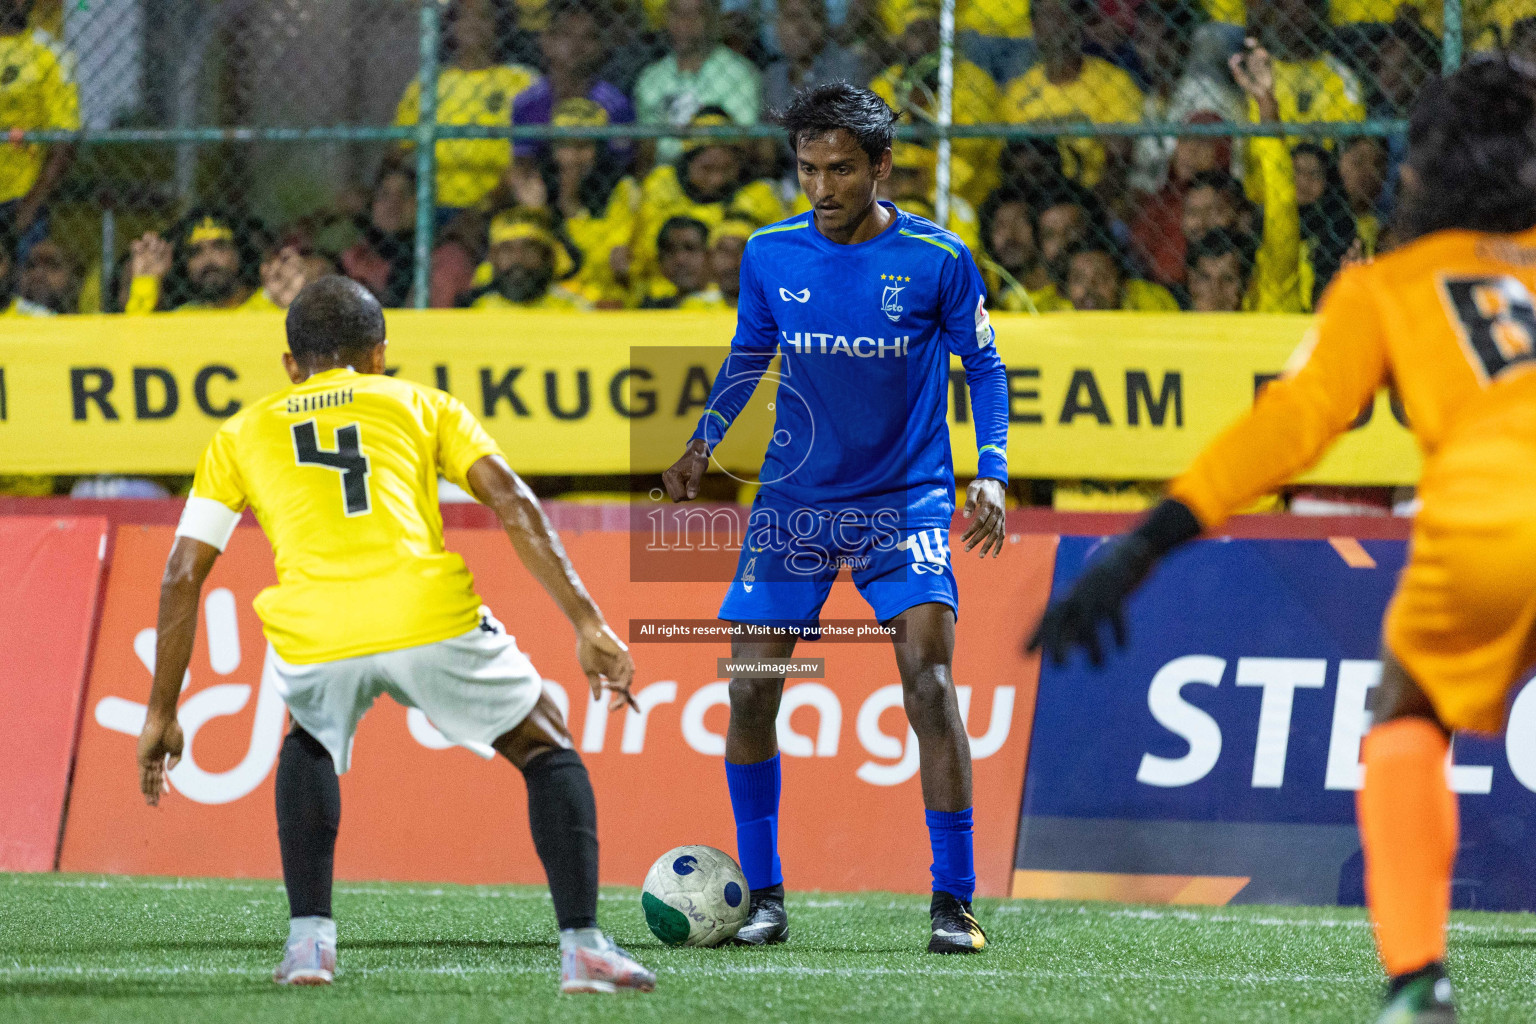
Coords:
341,472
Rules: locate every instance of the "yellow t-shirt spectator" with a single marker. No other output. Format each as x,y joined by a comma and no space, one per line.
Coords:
1140,296
1490,23
995,18
662,294
1349,12
1321,89
1101,93
1008,18
37,93
1228,12
144,296
708,300
1343,12
468,169
1276,284
597,236
974,167
1043,300
662,198
556,300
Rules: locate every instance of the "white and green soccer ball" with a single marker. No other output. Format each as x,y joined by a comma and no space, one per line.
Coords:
695,896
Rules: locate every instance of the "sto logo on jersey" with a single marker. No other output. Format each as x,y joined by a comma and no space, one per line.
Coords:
890,300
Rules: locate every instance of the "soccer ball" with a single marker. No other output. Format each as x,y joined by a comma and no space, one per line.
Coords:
694,896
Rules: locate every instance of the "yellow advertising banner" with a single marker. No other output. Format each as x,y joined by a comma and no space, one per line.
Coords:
1100,396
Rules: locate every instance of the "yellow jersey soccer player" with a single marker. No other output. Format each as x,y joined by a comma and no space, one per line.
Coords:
341,470
1448,319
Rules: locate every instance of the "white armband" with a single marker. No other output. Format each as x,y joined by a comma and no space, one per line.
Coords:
209,521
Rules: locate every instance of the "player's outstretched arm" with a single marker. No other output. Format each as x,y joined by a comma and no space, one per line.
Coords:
180,588
603,656
1114,572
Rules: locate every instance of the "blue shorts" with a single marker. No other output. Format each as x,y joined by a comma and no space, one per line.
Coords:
792,556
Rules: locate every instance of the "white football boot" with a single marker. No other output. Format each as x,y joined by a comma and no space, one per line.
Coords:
310,955
591,962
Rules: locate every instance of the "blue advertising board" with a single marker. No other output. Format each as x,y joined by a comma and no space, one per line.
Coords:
1225,740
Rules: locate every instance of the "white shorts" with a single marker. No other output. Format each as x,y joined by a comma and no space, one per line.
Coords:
474,688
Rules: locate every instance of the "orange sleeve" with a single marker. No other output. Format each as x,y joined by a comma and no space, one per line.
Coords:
1342,363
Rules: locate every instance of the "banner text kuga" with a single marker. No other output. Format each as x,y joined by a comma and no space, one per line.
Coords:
1102,396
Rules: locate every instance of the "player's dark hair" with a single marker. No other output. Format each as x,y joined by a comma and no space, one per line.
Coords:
1003,196
333,317
828,108
1472,146
1032,163
1066,192
1216,244
1090,244
664,243
1224,185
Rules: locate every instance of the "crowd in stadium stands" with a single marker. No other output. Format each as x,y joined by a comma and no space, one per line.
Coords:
1204,222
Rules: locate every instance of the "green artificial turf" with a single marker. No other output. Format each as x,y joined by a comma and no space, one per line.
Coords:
76,948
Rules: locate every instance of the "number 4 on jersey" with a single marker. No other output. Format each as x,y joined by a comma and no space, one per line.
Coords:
347,459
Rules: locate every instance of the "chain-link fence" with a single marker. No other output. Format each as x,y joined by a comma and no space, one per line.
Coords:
596,154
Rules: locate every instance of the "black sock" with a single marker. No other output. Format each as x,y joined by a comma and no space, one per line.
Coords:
773,892
1434,970
308,814
562,815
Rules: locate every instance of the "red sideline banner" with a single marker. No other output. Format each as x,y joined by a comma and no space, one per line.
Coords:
415,810
51,572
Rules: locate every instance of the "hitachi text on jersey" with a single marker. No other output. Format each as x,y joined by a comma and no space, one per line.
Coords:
809,342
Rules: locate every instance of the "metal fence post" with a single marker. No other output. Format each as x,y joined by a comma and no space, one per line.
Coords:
946,109
426,152
1450,54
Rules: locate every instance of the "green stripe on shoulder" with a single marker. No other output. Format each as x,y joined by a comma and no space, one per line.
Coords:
777,228
932,241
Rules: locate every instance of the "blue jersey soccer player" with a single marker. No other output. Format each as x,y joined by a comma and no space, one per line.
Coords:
865,304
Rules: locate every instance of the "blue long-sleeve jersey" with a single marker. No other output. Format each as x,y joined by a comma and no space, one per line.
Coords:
866,333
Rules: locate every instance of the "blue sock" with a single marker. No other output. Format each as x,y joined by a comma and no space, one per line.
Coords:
755,803
954,861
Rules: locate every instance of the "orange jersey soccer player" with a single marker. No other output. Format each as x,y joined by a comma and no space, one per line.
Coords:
1448,320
